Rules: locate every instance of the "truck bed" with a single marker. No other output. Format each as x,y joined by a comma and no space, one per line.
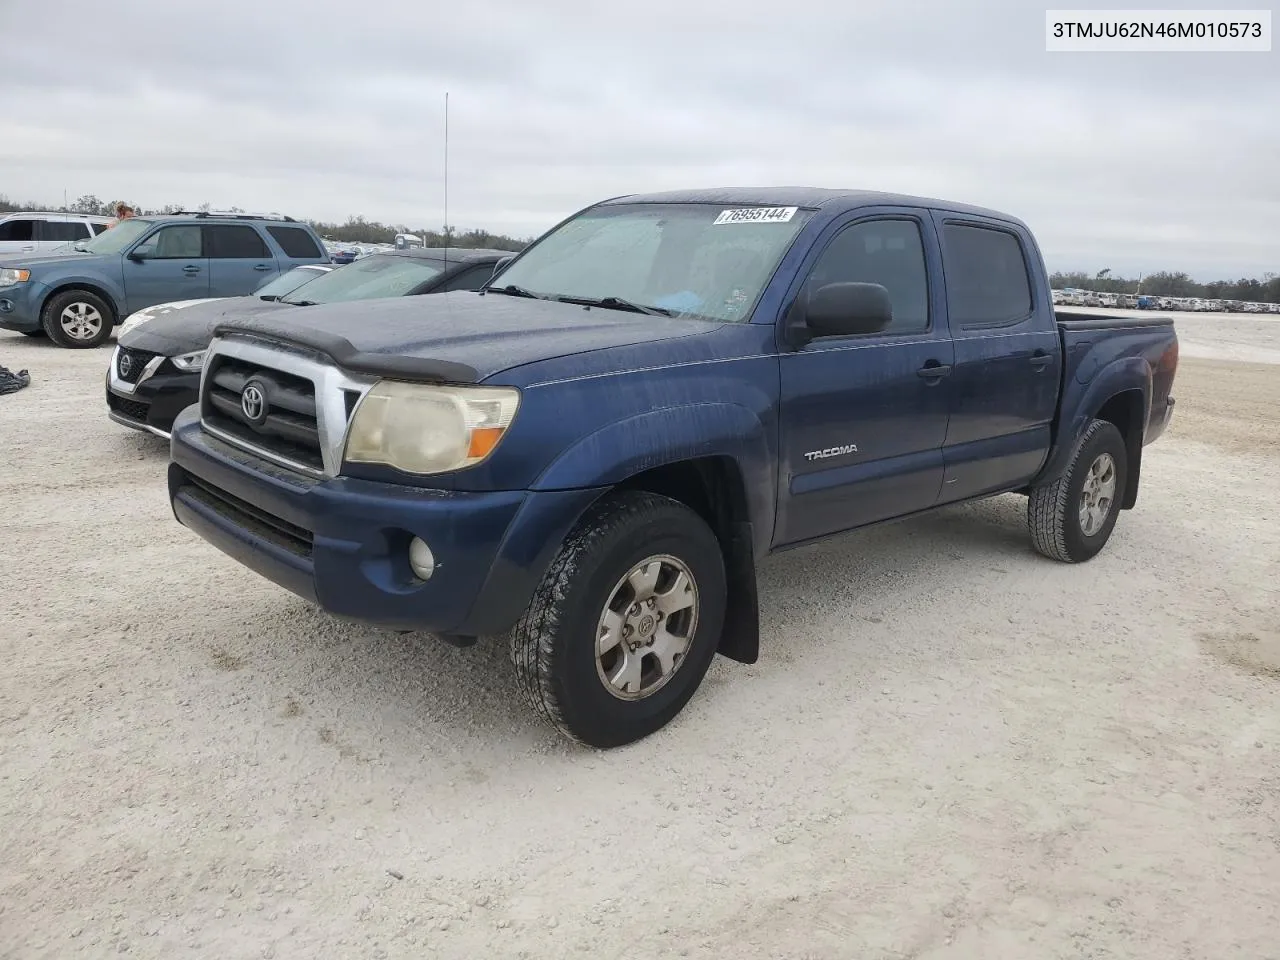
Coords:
1092,321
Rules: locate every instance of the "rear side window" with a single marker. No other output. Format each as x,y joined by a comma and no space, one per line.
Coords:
987,280
17,230
295,242
63,230
99,227
234,243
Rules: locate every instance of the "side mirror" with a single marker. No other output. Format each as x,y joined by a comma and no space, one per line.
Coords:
848,309
143,251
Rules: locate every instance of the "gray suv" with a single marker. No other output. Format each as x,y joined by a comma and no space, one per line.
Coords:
77,297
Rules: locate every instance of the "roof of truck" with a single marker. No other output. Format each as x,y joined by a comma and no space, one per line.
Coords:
832,199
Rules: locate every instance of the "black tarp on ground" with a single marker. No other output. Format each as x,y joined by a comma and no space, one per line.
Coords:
11,382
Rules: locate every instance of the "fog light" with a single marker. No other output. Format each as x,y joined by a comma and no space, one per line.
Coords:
420,559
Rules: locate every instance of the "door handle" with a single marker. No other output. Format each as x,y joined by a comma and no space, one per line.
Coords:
933,370
191,269
262,268
1040,360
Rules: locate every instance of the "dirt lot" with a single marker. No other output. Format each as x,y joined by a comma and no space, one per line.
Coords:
951,748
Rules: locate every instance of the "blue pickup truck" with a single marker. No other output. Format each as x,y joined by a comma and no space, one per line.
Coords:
590,453
78,297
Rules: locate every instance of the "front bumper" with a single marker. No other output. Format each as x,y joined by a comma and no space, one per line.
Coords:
20,306
153,402
343,543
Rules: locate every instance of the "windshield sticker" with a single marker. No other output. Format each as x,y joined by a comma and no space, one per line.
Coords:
756,215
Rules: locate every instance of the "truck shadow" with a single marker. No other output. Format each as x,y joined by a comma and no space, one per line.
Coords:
382,697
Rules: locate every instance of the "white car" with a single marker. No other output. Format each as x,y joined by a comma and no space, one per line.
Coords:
25,232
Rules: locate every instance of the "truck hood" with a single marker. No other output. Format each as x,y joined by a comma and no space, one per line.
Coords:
171,329
462,337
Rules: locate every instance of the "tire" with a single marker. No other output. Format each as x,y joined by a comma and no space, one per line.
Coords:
1061,528
553,645
77,319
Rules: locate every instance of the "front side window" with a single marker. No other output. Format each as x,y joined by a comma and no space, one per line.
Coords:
175,243
384,275
287,282
702,260
887,252
987,280
18,230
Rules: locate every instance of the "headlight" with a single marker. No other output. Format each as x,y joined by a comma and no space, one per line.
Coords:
186,362
8,277
423,429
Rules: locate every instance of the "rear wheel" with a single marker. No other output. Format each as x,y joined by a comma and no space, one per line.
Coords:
625,623
1071,518
77,319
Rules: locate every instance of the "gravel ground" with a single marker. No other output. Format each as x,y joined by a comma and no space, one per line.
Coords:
951,748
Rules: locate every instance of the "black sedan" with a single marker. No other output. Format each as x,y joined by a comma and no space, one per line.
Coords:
155,370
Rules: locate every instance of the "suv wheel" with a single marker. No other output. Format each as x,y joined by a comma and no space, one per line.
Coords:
624,625
77,319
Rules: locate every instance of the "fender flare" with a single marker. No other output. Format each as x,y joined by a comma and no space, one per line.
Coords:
77,283
1119,376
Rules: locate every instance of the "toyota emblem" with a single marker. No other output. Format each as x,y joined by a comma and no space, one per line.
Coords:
126,364
253,401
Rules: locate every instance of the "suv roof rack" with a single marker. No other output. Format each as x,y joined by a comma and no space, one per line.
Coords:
206,214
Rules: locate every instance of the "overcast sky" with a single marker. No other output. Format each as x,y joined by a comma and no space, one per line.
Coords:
321,110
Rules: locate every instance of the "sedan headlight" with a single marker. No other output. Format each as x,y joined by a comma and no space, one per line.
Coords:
11,276
424,429
187,362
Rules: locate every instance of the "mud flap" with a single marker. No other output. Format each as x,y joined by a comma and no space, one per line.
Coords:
740,636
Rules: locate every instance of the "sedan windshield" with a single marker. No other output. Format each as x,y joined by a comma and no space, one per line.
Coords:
277,287
677,259
118,237
380,275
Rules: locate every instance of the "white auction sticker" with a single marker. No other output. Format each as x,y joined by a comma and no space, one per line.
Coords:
756,215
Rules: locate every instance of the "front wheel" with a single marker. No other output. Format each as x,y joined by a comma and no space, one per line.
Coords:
1071,518
77,319
625,623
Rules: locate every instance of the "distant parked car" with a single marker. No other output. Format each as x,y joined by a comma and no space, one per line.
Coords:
78,297
44,232
155,371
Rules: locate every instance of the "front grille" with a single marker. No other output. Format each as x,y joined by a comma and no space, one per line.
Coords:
130,363
289,536
286,424
133,409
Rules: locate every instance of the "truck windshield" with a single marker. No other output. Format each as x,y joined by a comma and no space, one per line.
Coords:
380,275
699,260
118,237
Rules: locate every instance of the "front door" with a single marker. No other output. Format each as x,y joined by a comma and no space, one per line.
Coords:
239,261
172,267
863,418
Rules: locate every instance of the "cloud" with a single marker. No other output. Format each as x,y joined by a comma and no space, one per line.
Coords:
325,109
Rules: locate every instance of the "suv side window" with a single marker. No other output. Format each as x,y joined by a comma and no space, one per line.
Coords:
987,280
469,279
295,242
887,252
63,231
235,242
178,242
18,229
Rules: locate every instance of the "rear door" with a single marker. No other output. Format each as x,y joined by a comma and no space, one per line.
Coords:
1008,357
239,260
174,267
18,235
863,418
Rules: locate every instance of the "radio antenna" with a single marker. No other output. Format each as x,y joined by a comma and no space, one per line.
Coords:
446,179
